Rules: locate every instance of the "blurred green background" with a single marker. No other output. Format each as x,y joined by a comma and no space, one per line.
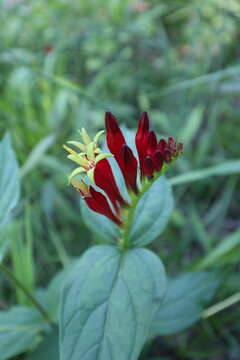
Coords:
62,65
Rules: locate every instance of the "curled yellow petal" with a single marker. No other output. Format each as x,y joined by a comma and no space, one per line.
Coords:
81,186
91,151
78,145
90,174
69,150
85,137
78,160
101,156
74,173
97,136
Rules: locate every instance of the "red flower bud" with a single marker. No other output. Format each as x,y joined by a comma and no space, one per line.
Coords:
148,166
162,145
141,138
152,143
158,160
115,138
122,153
98,203
103,177
129,168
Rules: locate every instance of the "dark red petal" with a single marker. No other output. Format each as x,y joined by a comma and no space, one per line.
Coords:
162,145
167,156
152,143
115,138
158,160
143,124
148,166
142,137
129,168
171,142
179,146
104,178
98,203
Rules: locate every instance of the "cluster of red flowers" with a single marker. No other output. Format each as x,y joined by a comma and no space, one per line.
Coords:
152,156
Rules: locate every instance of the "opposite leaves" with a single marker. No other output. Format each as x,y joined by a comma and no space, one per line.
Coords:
109,303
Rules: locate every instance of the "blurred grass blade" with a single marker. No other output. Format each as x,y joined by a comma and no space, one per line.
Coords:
37,153
192,125
227,168
214,309
221,251
206,79
63,82
9,180
22,258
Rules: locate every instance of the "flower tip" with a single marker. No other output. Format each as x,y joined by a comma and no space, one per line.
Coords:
111,122
143,122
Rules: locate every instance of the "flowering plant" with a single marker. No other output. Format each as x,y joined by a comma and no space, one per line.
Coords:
110,301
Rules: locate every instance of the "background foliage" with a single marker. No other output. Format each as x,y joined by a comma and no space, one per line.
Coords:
62,66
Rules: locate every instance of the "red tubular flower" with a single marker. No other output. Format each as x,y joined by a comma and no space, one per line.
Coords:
141,138
122,153
151,154
97,202
129,168
115,138
103,177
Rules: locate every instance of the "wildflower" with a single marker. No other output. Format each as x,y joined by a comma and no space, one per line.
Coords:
94,164
95,200
153,157
152,154
122,153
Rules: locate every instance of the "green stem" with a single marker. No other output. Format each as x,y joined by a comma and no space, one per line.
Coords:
27,293
212,310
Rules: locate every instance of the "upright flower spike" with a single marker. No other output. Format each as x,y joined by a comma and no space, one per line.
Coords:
122,153
152,154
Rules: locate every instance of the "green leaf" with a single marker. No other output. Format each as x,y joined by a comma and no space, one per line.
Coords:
108,304
9,180
227,168
100,225
37,153
20,330
152,213
48,348
184,302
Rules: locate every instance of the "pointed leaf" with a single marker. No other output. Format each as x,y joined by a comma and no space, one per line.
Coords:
108,304
184,302
20,330
152,213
